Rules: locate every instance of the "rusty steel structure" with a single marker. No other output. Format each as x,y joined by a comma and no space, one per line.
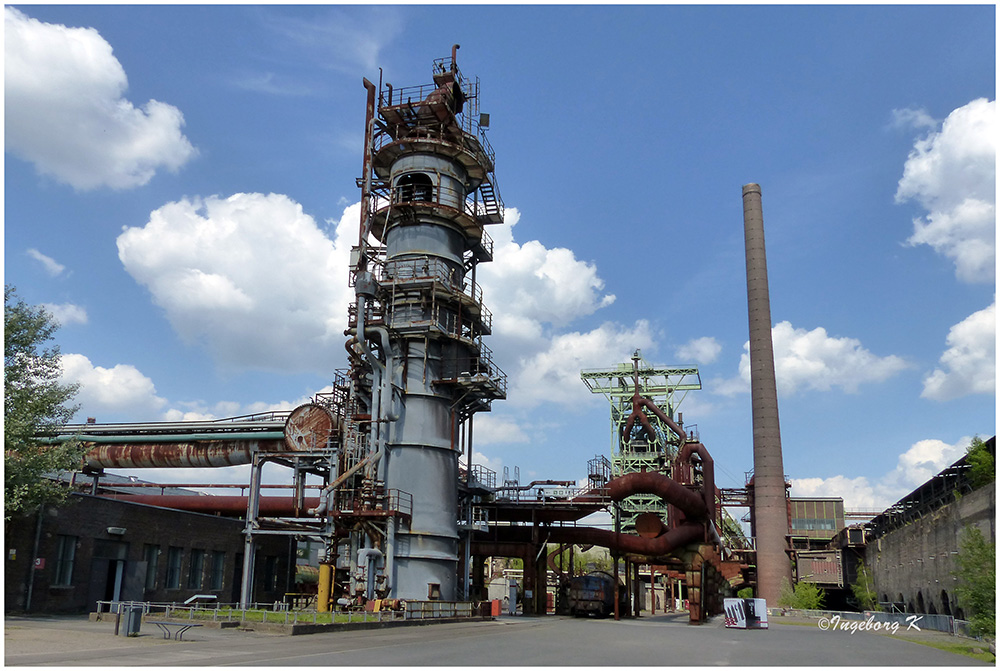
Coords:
419,365
644,401
381,466
770,508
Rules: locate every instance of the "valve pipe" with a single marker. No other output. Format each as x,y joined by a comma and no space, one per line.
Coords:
365,557
324,495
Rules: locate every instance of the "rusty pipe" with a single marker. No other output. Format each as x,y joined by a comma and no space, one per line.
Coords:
278,506
650,482
626,543
202,454
366,176
533,483
707,472
324,495
454,56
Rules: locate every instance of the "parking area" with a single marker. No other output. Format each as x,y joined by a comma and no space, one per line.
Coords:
662,640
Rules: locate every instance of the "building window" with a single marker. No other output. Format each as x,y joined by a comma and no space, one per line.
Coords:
65,558
151,553
174,556
197,569
216,570
414,187
813,524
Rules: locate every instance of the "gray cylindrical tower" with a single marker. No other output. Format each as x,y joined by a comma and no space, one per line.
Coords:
770,511
433,190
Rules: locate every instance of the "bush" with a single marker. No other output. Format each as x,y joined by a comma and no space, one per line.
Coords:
975,568
804,596
864,590
982,469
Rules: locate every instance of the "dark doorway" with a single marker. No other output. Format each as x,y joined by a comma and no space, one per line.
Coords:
237,578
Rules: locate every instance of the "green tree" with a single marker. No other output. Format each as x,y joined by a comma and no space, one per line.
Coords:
982,469
975,568
805,595
745,593
34,403
864,590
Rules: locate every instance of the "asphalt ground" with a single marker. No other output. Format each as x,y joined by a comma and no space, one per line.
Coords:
662,640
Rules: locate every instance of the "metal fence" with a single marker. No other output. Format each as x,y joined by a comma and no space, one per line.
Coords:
945,623
278,613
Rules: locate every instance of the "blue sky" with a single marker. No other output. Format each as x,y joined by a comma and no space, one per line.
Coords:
180,189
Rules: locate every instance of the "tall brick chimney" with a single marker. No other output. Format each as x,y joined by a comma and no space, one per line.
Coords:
770,509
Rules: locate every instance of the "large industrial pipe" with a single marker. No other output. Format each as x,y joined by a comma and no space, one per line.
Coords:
625,543
770,512
649,482
203,454
269,506
707,473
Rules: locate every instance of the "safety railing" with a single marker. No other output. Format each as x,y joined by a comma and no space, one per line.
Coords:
484,476
912,621
479,367
489,209
278,612
429,610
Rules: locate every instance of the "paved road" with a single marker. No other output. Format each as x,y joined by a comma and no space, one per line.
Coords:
515,641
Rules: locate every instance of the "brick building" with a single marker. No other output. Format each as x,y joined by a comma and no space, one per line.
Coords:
91,549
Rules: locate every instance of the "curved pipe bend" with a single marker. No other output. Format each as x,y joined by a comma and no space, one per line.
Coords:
649,482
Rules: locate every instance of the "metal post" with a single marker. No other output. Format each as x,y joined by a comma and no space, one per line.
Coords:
249,551
34,556
614,554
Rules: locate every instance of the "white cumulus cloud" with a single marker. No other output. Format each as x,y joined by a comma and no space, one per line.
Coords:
814,360
968,366
553,374
700,350
529,285
251,277
536,294
66,113
490,428
66,313
915,466
118,391
951,173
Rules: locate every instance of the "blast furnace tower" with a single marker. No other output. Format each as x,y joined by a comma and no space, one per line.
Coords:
770,512
419,367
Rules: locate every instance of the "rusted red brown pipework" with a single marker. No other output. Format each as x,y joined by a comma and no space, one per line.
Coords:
201,454
638,403
224,505
627,543
682,464
649,482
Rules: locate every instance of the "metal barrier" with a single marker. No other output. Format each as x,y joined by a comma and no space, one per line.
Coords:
944,623
429,610
278,613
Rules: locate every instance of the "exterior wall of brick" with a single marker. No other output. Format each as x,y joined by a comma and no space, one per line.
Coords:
109,564
913,565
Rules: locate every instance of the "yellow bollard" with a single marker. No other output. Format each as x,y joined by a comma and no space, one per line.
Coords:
323,588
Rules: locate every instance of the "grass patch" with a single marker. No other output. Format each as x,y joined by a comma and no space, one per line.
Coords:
960,648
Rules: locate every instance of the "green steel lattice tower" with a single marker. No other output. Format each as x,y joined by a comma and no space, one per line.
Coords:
664,386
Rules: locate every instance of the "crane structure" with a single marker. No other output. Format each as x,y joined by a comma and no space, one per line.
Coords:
643,393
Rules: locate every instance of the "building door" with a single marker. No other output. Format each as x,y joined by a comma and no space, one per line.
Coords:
108,571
